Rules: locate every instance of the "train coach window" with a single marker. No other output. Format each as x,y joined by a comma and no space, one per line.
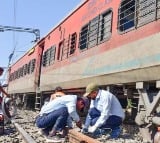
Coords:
49,56
29,67
98,30
158,9
72,46
126,15
25,69
33,62
46,58
133,14
16,74
105,26
21,71
146,11
93,32
65,48
52,54
83,38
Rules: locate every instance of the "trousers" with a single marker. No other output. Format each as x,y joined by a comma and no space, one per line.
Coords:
55,120
112,122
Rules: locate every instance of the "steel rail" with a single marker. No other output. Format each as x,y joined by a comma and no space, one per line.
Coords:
27,138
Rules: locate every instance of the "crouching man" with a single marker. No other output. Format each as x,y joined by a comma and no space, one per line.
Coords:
53,116
105,112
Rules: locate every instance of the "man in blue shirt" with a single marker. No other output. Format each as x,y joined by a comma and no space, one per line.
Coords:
53,116
105,111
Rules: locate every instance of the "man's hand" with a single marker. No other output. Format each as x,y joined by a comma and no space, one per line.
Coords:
79,124
92,129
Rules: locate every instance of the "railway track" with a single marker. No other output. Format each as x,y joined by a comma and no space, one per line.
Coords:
22,129
11,135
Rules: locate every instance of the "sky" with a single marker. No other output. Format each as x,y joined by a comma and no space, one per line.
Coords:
35,14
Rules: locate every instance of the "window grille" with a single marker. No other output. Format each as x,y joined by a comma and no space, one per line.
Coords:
105,26
65,48
29,67
93,32
52,55
96,31
44,63
146,11
25,69
83,41
73,43
22,71
14,75
33,62
18,73
158,9
136,13
47,57
126,15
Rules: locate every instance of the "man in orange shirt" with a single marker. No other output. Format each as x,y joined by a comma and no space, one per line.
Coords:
58,93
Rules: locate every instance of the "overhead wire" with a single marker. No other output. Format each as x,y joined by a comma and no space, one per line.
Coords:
14,42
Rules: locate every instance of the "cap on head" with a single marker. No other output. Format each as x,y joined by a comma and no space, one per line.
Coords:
90,88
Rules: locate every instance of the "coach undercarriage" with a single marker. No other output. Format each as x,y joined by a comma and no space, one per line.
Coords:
140,101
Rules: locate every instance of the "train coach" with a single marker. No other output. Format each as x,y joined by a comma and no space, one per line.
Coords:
112,42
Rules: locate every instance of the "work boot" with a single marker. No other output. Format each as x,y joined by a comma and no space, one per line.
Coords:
52,133
65,132
115,133
52,137
102,131
44,132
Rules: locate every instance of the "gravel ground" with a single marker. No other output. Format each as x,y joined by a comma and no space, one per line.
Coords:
10,135
26,118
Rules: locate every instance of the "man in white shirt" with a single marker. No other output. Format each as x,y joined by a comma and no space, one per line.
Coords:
53,116
2,93
105,111
1,88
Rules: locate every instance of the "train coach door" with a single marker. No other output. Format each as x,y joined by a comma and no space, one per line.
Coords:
38,74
